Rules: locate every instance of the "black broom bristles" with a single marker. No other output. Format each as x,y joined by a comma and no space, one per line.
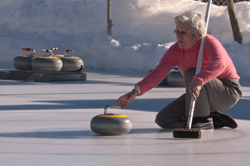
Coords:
187,133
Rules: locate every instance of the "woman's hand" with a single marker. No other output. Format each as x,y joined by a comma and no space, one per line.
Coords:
194,89
127,98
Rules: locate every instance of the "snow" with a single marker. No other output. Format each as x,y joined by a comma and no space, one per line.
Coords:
142,30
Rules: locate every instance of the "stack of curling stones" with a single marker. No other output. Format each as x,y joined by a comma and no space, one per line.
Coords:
174,78
110,123
48,62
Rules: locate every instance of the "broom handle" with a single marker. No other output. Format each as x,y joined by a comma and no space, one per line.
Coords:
192,103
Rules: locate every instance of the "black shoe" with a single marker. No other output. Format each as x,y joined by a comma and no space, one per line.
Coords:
203,123
223,120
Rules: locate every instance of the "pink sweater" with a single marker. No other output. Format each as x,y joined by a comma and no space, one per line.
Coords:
216,63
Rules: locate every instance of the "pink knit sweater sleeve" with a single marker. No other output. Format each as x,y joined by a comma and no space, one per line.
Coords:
167,62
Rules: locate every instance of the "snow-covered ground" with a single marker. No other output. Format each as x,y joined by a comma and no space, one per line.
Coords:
142,30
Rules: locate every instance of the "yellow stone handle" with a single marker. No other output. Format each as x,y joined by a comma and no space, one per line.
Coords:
54,49
29,49
46,50
68,51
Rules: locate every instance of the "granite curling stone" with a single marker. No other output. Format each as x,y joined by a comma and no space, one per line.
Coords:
70,63
110,124
47,62
175,78
23,62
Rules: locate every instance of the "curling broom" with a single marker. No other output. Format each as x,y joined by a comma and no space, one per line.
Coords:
188,132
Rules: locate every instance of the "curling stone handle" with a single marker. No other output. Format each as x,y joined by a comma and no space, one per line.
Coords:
50,51
110,107
29,49
54,49
68,51
46,50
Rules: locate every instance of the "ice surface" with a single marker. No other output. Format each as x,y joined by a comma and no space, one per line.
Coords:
49,123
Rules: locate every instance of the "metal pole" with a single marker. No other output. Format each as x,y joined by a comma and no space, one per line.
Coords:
192,103
109,17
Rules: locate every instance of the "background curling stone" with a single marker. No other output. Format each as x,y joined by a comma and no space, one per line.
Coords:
175,78
71,63
47,63
110,124
23,62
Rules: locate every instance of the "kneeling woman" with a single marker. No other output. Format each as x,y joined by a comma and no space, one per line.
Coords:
215,88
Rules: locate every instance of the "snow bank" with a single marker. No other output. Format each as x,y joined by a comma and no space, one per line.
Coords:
142,30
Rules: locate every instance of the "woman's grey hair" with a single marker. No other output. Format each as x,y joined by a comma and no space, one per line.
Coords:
194,20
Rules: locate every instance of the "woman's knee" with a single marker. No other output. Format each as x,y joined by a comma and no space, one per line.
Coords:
169,120
163,122
172,113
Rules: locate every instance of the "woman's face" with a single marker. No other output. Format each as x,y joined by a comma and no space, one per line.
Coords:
184,36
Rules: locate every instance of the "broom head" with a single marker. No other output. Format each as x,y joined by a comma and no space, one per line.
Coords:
187,133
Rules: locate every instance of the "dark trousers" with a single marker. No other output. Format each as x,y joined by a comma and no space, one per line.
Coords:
215,95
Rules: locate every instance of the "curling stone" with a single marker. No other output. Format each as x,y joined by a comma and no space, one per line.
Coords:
47,62
23,62
175,78
70,63
110,124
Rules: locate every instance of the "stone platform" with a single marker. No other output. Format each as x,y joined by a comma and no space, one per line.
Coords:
42,76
